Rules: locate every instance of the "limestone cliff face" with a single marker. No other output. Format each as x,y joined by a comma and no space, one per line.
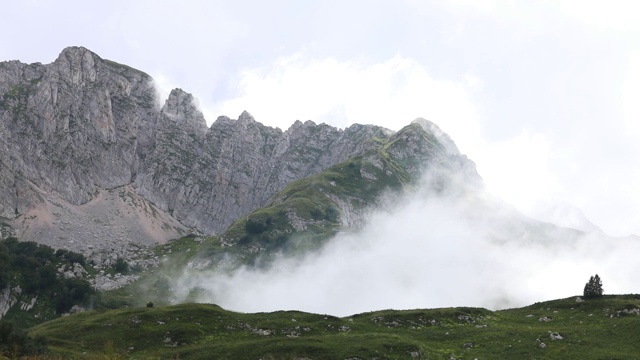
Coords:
79,131
71,127
209,178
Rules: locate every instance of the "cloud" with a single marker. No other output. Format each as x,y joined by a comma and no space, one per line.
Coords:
518,170
163,87
426,252
631,94
617,15
339,93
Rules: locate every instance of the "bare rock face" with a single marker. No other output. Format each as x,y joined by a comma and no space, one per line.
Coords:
71,127
209,178
77,134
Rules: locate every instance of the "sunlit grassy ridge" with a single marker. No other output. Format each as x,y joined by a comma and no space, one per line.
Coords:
605,328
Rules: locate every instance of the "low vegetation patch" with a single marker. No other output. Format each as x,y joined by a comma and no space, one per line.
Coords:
43,280
559,329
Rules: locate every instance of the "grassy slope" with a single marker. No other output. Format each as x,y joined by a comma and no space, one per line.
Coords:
197,331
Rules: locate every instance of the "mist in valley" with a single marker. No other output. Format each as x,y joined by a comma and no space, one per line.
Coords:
428,251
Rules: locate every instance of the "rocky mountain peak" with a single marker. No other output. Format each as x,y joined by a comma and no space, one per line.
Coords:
246,117
181,111
75,52
78,64
221,120
296,124
88,133
300,129
442,137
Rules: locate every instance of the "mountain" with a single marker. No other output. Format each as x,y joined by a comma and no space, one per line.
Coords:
91,159
70,131
136,201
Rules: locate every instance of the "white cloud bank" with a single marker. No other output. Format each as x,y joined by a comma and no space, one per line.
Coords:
389,94
427,252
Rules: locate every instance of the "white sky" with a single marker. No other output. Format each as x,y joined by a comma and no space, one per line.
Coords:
544,96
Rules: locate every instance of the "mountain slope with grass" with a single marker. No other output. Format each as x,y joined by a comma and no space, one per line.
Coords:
93,161
341,197
603,328
417,162
308,212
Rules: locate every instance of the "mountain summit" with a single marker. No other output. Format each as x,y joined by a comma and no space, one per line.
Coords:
92,159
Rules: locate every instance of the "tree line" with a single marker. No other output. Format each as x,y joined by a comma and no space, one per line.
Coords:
34,267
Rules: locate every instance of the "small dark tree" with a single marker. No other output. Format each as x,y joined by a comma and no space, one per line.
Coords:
121,265
254,226
593,288
149,304
72,292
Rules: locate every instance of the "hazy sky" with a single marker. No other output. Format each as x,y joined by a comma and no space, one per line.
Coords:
544,96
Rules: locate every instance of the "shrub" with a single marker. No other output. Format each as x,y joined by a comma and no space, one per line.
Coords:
15,343
71,256
316,214
72,292
331,214
254,226
121,266
34,268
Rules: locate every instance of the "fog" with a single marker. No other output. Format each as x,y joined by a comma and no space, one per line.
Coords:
424,252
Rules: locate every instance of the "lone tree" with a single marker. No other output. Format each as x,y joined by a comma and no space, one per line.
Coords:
593,288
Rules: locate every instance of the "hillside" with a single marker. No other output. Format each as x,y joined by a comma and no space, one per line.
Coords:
341,197
605,328
309,212
94,162
164,209
88,137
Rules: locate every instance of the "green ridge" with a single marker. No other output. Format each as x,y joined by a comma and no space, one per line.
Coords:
593,329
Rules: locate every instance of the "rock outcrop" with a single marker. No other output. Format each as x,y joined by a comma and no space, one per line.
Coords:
72,127
8,298
79,131
208,180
